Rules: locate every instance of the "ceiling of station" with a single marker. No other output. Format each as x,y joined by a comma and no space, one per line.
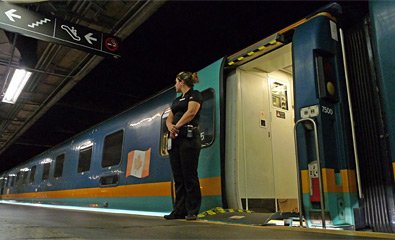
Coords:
56,69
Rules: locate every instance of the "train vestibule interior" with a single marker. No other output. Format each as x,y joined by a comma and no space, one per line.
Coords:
260,165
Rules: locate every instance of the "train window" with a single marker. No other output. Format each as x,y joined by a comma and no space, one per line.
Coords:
206,125
59,166
18,177
207,118
164,134
8,183
5,182
46,168
84,162
112,149
25,174
32,173
12,180
2,184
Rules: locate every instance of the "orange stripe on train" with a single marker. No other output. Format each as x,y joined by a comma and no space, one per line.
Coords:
347,184
209,187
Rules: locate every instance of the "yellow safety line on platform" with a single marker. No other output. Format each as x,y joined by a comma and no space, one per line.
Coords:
311,230
337,232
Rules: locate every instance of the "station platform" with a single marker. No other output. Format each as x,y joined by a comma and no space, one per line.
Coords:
36,221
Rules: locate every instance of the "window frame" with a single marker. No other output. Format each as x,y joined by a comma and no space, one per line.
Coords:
214,109
25,175
56,171
32,173
18,178
83,150
46,171
122,131
11,180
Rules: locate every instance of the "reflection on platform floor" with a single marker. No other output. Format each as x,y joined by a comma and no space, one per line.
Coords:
28,222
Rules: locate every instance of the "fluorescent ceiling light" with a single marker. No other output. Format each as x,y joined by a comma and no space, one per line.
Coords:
18,82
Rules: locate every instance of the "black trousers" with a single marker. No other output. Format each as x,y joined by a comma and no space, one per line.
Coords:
184,157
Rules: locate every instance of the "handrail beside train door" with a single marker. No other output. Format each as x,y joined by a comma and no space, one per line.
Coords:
300,193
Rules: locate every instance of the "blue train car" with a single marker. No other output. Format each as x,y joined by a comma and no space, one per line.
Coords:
120,163
284,127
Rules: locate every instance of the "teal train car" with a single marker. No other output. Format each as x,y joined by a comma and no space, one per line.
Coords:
300,121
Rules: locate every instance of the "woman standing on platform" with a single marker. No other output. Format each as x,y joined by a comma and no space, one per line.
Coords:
184,147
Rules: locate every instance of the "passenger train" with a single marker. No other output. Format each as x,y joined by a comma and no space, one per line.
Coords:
300,121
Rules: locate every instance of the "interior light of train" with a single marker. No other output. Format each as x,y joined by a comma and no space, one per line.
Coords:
24,169
18,82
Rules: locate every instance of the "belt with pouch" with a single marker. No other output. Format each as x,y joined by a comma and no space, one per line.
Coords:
187,131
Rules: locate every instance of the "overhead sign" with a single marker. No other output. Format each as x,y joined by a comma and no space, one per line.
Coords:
28,23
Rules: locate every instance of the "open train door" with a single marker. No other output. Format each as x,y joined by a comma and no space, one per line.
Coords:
261,173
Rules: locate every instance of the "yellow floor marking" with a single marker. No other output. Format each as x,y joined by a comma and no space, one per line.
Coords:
311,230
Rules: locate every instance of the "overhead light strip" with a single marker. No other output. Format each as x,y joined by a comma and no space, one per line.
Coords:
18,82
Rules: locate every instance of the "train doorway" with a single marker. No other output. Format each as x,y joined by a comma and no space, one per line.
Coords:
260,165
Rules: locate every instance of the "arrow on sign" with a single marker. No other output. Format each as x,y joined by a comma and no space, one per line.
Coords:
89,38
10,14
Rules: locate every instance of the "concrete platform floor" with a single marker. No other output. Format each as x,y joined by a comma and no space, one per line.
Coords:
28,222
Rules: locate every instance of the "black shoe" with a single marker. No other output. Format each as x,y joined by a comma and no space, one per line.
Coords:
191,217
173,216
